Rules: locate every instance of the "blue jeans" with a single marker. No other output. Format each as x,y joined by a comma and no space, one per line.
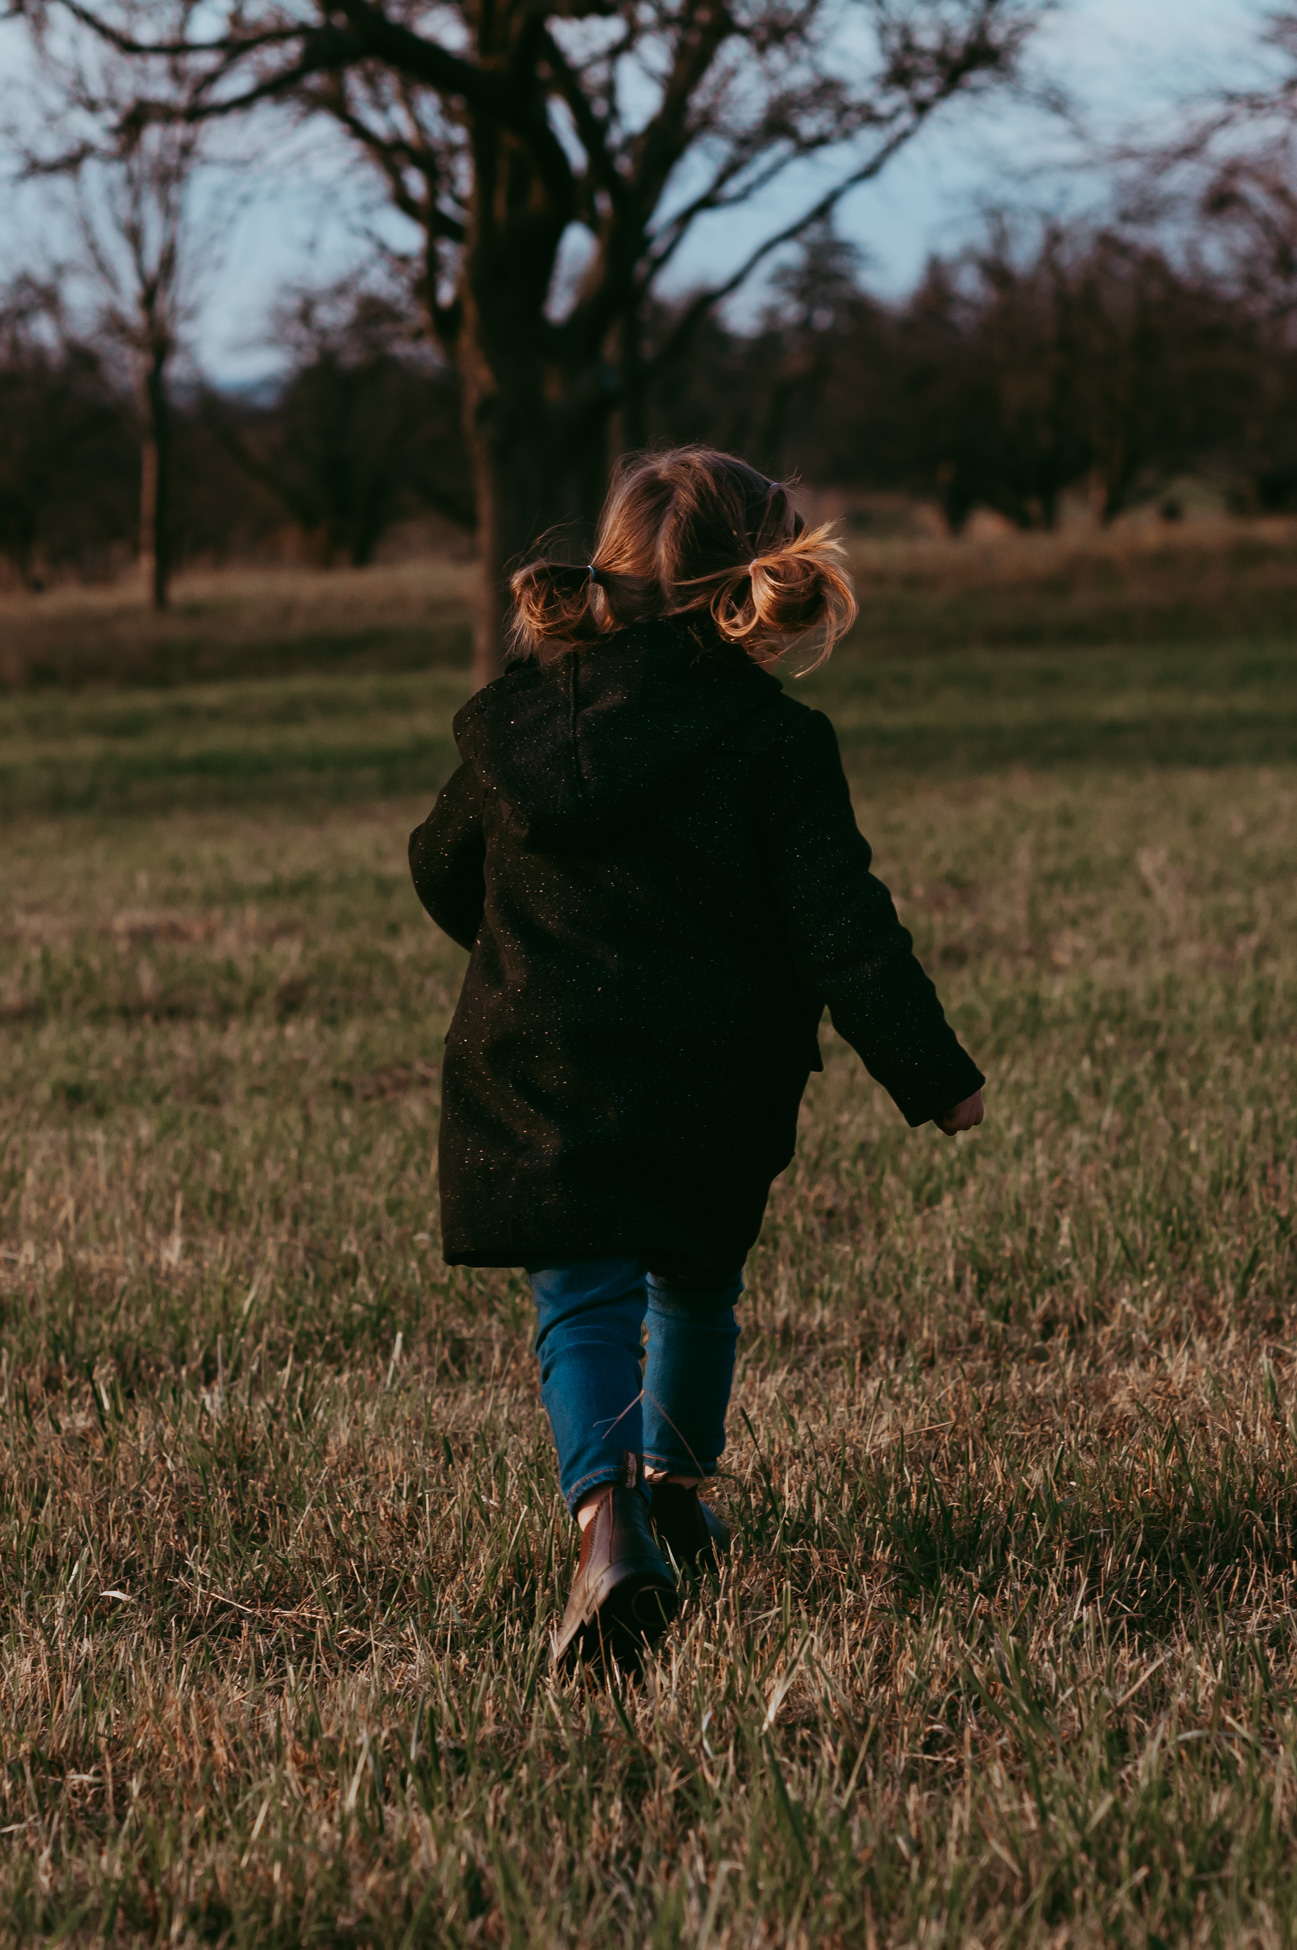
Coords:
600,1405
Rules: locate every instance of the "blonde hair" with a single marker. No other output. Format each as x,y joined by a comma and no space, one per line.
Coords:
688,531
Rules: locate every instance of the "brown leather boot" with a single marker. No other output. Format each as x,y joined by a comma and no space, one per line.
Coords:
687,1527
623,1596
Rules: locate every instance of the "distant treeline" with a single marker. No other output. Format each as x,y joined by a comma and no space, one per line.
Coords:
361,431
1085,360
1088,361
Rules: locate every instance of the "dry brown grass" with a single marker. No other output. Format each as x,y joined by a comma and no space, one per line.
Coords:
1150,583
1006,1654
1145,582
240,622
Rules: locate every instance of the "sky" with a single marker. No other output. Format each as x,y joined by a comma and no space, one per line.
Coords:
1130,65
1127,64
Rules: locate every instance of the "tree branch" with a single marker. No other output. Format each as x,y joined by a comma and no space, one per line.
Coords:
393,155
592,128
236,44
705,301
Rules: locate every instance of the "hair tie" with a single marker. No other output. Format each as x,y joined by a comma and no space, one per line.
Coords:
752,564
593,573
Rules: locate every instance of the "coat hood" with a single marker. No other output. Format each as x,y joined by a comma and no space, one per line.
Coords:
581,743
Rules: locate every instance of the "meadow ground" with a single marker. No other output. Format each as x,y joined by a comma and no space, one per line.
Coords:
1007,1653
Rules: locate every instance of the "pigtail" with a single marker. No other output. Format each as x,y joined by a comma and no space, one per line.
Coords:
557,606
788,589
554,606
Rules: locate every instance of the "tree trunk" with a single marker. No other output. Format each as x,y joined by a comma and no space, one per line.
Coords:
542,474
629,424
155,483
491,603
540,462
519,488
24,553
536,408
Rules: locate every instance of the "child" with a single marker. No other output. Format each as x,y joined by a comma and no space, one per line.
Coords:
651,853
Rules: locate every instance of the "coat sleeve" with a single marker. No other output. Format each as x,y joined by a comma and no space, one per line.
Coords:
848,944
448,857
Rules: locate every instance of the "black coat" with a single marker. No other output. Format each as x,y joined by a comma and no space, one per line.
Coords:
651,852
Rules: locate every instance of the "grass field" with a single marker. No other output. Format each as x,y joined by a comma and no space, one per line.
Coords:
1008,1651
1145,584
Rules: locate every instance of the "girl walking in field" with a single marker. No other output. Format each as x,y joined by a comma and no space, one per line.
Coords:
650,851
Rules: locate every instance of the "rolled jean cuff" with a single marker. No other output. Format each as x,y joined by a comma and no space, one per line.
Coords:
674,1466
575,1495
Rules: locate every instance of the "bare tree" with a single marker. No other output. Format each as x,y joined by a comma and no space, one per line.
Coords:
133,183
62,438
1224,192
556,160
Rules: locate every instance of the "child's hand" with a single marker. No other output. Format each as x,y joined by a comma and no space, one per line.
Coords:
963,1117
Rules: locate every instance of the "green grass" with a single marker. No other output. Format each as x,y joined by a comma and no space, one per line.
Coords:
1007,1653
299,741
